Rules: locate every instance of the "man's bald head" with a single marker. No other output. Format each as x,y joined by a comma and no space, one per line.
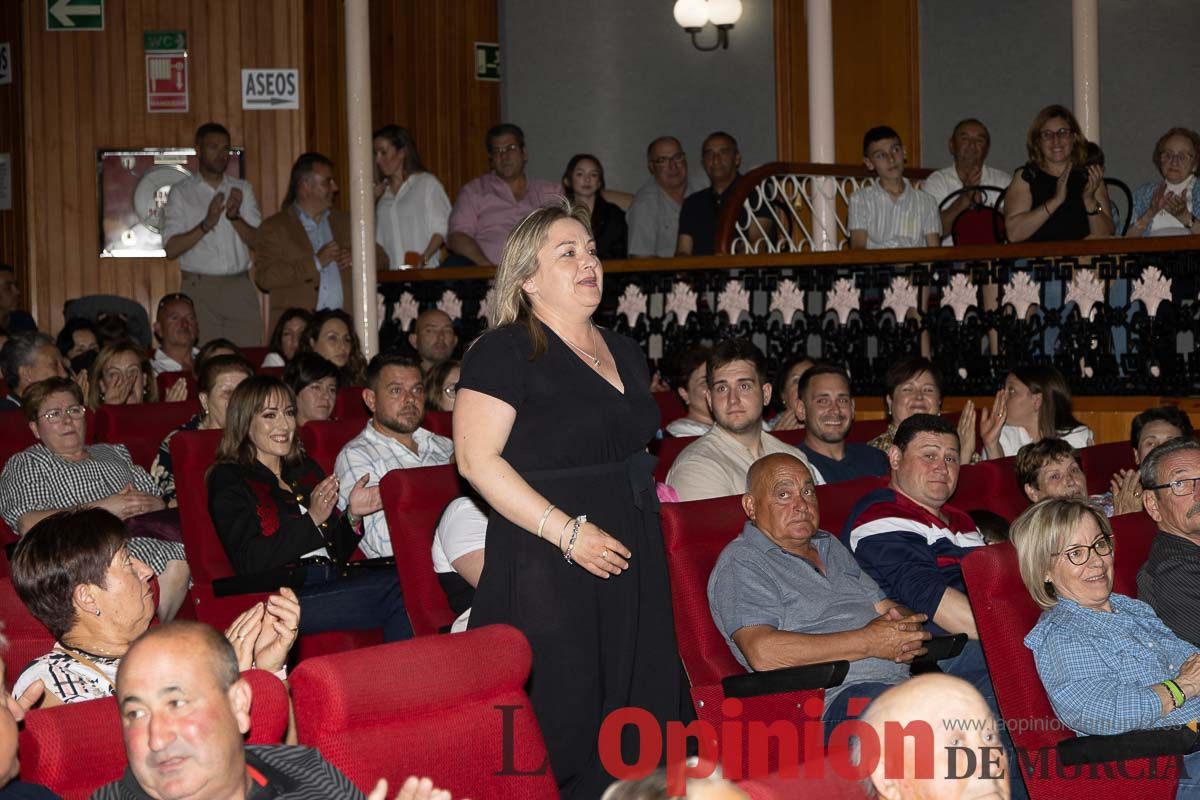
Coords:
433,337
760,471
958,717
196,636
781,501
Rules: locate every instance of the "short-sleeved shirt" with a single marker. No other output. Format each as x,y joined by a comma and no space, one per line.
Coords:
756,582
372,453
859,461
904,221
70,679
221,251
698,218
653,219
912,554
164,363
945,181
487,211
715,465
461,530
1170,582
1014,437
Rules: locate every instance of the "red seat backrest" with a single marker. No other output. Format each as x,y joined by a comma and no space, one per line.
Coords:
413,502
142,427
274,372
324,439
1132,536
990,485
1101,462
863,431
255,355
168,379
441,692
439,422
694,534
15,434
27,638
77,748
978,225
349,403
670,407
837,500
669,448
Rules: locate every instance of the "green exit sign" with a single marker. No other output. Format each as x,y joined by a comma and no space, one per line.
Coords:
164,41
487,61
74,15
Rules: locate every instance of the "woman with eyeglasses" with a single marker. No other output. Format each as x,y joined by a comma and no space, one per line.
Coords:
1107,662
1057,196
1169,207
441,385
62,471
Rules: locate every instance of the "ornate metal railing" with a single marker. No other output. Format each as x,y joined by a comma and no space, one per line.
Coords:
1117,316
776,208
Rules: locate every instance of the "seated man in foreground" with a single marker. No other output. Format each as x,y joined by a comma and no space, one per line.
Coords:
785,593
715,465
185,710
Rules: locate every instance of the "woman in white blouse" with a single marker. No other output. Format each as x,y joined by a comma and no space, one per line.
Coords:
411,207
1034,404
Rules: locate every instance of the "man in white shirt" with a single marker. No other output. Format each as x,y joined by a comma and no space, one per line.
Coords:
210,224
177,331
392,439
716,464
654,214
969,144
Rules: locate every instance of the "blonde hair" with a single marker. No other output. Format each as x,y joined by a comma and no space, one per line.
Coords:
108,353
519,263
1038,535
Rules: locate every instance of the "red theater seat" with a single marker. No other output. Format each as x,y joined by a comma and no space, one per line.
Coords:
27,638
669,448
670,407
695,533
413,502
168,379
323,440
349,403
439,422
192,453
142,427
1132,536
1004,614
432,706
255,355
1101,462
990,485
274,372
837,500
75,749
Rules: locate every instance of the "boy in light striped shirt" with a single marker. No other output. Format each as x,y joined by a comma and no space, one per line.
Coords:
890,212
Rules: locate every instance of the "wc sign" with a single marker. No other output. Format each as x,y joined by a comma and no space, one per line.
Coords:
270,89
166,71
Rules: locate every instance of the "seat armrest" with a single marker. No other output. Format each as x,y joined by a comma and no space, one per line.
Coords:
1120,747
262,582
787,679
939,648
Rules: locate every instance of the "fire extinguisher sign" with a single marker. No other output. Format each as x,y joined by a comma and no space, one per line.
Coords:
166,71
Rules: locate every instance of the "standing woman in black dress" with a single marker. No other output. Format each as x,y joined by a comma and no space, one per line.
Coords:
550,425
1057,196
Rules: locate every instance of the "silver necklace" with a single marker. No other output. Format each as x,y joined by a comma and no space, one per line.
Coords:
595,359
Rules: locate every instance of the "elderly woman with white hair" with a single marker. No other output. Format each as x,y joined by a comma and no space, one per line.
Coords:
551,422
1107,661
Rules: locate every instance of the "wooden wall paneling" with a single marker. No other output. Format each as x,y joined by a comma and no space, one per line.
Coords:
13,235
876,75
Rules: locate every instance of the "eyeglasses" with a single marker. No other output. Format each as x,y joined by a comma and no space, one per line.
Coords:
508,148
1083,553
1049,135
171,298
1180,487
1176,158
662,161
450,390
56,414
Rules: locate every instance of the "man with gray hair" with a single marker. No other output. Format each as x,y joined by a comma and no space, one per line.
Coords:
25,360
654,214
1170,579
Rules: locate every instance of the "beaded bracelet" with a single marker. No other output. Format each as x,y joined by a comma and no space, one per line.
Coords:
582,518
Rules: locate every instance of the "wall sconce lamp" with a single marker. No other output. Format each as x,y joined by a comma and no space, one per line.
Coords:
693,15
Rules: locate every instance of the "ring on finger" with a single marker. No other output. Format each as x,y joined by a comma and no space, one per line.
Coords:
604,554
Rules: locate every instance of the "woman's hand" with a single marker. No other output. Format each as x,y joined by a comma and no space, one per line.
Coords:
413,789
1126,488
786,421
280,626
380,188
243,632
992,422
117,387
966,433
1095,182
323,499
364,499
129,503
596,551
177,393
1060,192
81,380
1176,206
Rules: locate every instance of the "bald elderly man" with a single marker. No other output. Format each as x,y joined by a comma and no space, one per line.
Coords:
961,721
785,593
185,709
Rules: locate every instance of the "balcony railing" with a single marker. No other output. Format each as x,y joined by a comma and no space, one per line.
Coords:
1117,316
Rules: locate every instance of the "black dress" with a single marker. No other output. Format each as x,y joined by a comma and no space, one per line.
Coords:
598,645
1070,221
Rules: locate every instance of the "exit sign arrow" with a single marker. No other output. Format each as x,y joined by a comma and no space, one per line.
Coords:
75,15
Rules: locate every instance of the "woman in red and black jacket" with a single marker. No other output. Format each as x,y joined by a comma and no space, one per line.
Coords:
276,514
